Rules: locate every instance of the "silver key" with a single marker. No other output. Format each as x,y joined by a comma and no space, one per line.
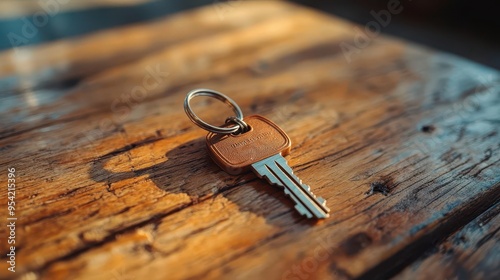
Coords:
277,172
261,149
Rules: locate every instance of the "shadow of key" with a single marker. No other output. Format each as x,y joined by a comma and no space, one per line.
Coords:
188,169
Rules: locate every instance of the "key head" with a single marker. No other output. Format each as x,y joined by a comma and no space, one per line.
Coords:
236,153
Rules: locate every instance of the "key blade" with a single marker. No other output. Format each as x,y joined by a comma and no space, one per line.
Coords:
319,206
276,171
321,200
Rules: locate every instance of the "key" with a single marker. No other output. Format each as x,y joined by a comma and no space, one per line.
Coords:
261,149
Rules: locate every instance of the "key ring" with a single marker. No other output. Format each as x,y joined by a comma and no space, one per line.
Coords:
238,120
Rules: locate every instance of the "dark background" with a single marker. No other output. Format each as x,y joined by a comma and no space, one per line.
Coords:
469,29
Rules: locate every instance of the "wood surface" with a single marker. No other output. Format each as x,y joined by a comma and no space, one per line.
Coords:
16,8
114,181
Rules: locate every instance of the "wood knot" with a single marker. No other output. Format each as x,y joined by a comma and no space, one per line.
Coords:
428,128
379,187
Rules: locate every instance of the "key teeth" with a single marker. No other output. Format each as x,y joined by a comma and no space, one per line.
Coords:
287,192
270,180
303,211
300,208
260,170
321,200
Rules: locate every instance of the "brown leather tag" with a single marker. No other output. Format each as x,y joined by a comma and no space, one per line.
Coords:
235,153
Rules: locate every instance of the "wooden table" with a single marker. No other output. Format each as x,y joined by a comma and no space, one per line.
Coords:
113,181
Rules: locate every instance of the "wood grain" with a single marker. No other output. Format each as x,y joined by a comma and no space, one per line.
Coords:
115,182
470,253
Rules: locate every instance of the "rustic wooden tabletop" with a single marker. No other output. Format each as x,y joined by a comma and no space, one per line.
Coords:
112,180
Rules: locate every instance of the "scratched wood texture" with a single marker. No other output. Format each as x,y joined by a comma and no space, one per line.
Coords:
114,181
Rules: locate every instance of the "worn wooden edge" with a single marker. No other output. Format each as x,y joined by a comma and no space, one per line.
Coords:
469,253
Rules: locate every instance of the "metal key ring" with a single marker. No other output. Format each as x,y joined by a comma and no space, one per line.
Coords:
217,95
